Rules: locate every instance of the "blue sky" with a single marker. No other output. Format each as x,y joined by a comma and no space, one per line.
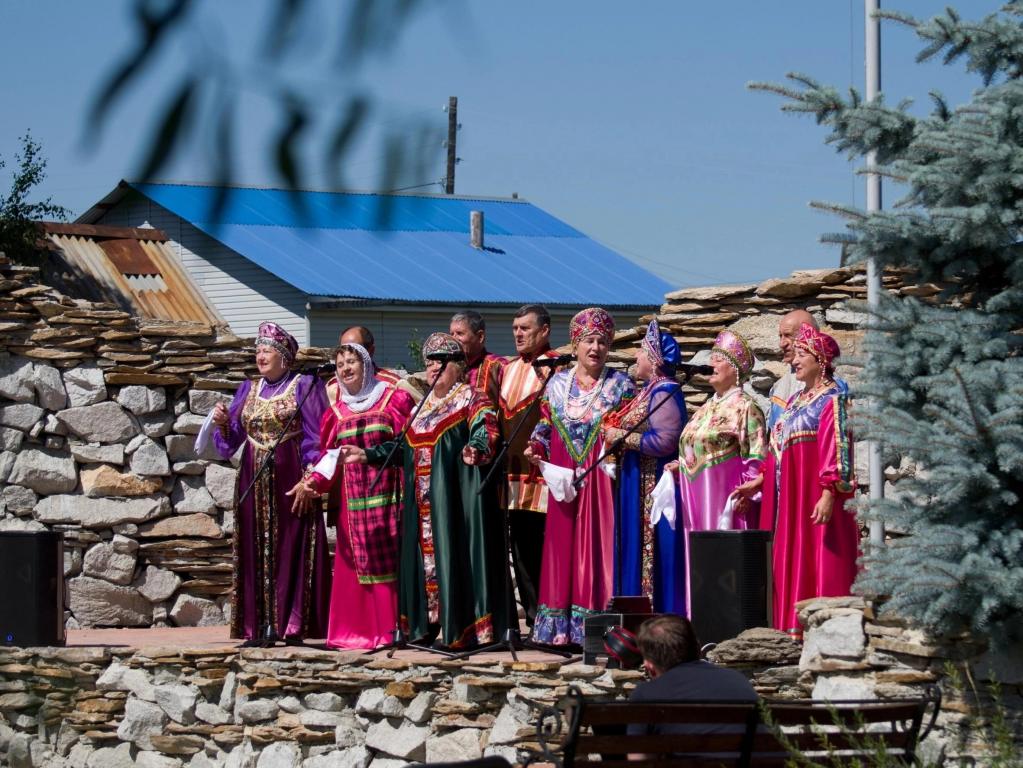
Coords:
631,121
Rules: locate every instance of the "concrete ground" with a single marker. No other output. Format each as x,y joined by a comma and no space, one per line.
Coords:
205,638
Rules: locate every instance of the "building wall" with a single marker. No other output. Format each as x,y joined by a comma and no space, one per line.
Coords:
244,293
394,326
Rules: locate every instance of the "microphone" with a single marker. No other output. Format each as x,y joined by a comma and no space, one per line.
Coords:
319,370
553,362
446,357
694,370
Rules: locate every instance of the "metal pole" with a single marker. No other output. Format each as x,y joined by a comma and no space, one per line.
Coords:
872,56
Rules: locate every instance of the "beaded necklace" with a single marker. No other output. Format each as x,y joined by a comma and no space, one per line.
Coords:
807,396
582,403
270,389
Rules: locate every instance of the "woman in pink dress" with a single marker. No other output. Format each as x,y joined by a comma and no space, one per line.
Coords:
721,451
578,549
363,596
808,478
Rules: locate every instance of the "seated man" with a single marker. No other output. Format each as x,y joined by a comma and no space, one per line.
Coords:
671,656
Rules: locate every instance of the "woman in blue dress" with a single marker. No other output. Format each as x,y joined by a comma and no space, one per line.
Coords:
649,559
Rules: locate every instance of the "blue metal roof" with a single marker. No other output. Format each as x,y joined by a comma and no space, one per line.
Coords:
413,248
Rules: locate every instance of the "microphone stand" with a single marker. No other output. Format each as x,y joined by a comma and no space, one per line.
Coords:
617,443
394,448
511,438
512,639
267,636
399,638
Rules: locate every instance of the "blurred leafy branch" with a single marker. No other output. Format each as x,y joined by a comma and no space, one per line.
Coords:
201,108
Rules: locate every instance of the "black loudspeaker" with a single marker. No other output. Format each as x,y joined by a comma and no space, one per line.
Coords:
729,582
32,584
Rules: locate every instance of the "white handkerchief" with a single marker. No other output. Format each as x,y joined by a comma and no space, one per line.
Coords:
203,438
327,465
609,468
663,498
560,481
725,521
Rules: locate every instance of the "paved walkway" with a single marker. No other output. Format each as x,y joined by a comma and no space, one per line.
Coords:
200,638
184,637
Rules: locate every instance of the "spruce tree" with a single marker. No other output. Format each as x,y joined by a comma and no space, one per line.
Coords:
942,385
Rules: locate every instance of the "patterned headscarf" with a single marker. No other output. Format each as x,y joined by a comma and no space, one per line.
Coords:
823,347
736,351
442,342
272,335
589,322
661,348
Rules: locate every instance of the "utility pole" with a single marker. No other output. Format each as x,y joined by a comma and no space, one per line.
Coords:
449,179
872,62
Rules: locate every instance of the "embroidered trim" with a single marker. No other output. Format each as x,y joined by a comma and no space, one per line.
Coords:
266,446
365,502
384,578
843,446
364,429
712,460
566,438
428,439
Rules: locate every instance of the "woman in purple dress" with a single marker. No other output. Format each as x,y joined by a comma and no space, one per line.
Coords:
281,573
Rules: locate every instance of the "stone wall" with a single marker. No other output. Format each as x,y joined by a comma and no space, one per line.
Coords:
103,707
279,708
98,417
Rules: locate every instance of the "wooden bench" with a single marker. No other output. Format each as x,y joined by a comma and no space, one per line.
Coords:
769,733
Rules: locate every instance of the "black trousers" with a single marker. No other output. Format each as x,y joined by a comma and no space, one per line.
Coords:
525,530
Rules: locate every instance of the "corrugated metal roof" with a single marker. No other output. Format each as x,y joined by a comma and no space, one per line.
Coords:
132,268
413,247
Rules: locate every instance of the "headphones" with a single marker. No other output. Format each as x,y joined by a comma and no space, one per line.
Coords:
622,647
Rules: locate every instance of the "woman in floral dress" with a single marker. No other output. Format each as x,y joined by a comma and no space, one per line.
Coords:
723,446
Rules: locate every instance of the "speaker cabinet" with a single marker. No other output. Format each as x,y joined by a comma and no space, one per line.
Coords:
31,588
729,582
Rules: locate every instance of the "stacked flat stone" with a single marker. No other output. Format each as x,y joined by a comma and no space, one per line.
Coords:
279,707
304,708
695,316
98,417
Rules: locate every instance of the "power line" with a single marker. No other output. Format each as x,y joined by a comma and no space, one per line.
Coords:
414,186
648,260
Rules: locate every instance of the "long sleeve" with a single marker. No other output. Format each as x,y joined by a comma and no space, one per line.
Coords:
834,446
402,404
312,415
752,440
227,441
328,431
540,440
484,431
665,422
378,453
